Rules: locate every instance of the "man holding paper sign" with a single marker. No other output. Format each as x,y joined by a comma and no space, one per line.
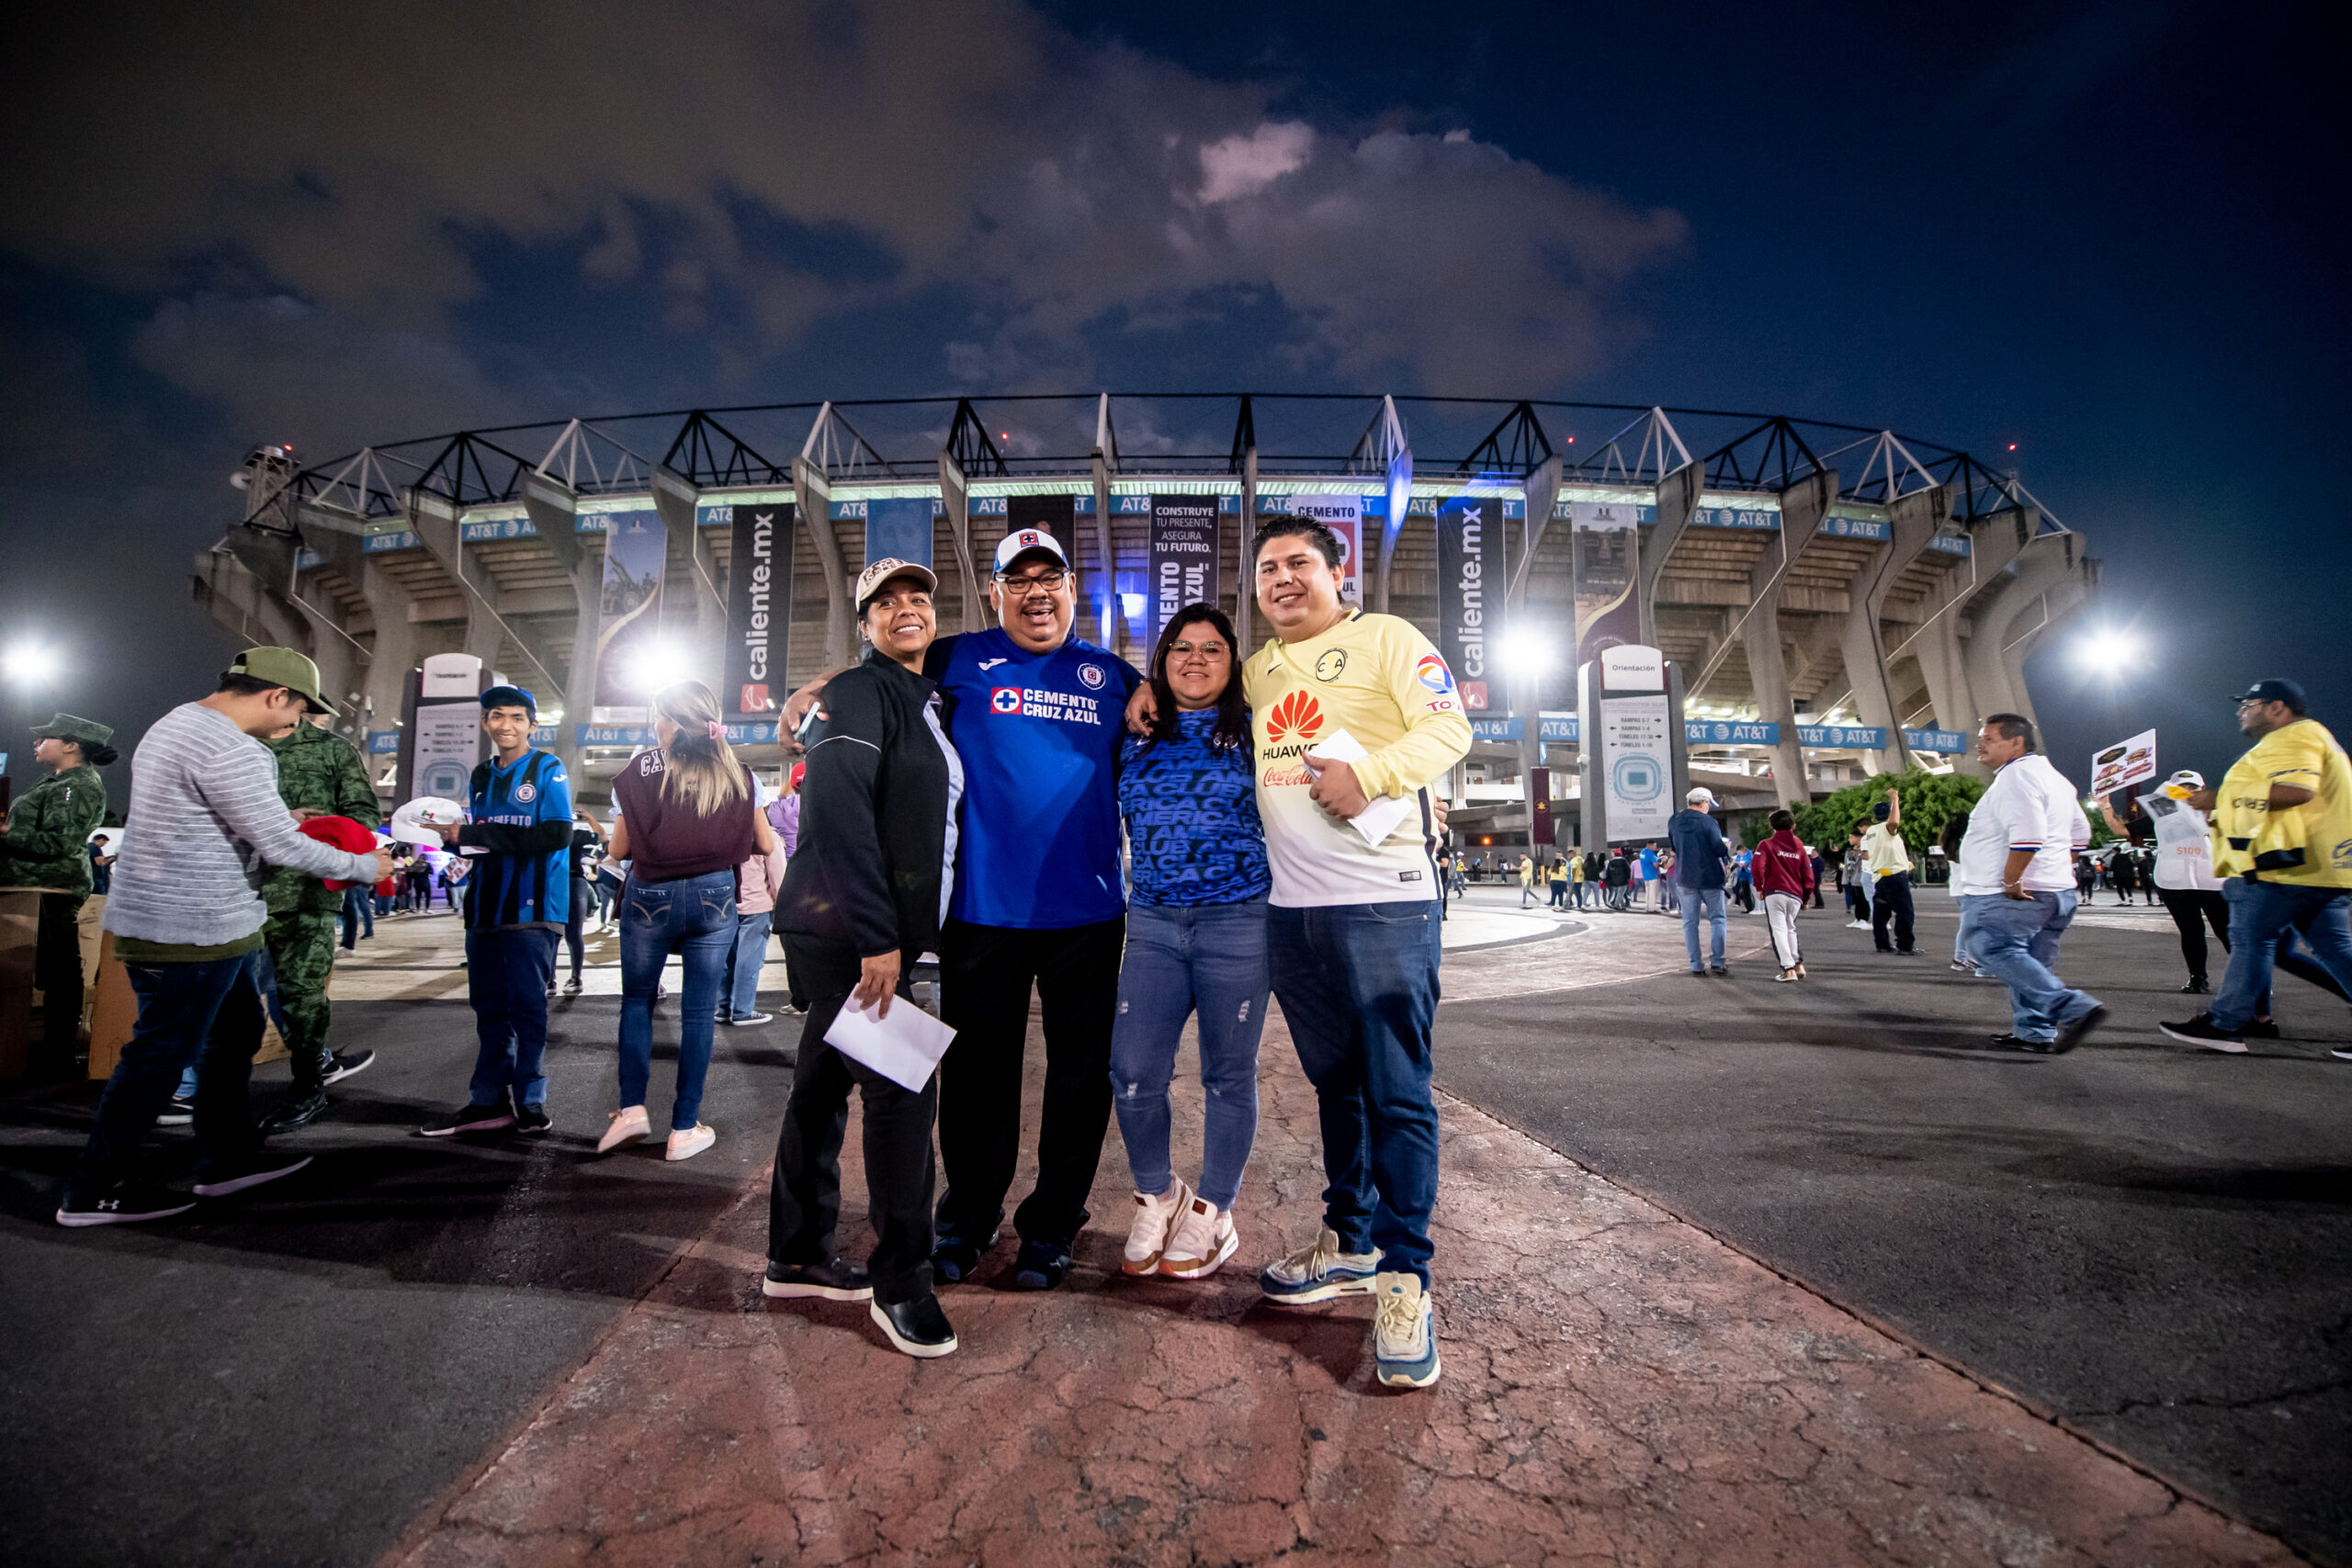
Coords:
1355,715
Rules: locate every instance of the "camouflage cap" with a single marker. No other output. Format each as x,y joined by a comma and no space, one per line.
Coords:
283,667
74,726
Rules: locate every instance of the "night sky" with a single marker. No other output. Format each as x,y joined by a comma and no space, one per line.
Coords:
2100,233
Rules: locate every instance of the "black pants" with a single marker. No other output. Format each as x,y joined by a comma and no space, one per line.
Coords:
2192,909
1891,900
985,975
574,920
1858,902
804,1199
57,970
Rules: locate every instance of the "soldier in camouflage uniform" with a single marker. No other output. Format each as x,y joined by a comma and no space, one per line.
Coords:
45,843
318,774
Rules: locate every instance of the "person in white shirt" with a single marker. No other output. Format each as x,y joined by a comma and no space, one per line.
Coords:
2184,869
2016,887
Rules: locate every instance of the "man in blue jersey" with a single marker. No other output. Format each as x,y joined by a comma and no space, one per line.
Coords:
518,888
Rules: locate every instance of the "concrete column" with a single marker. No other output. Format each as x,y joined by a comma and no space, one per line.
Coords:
1543,489
1802,505
955,495
814,503
238,600
554,510
1937,647
342,664
394,655
1102,470
1860,638
2043,565
1245,579
1677,498
678,499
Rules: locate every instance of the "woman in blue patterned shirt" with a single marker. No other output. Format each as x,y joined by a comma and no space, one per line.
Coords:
1196,942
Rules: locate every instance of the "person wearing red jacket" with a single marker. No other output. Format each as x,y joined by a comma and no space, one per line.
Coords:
1783,872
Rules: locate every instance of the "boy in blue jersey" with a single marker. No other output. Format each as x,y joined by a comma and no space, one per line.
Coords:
518,889
1036,715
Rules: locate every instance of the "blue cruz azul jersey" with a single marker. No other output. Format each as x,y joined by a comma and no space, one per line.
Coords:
1191,813
506,889
1039,736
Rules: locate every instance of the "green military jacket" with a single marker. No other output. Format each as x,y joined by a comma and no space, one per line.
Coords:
46,843
317,771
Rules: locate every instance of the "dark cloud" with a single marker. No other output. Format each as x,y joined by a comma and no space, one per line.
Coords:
307,190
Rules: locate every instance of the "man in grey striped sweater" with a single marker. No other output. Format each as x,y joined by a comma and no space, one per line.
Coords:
206,824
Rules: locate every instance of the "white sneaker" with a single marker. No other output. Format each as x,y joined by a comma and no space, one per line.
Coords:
1203,1239
1147,1234
1403,1333
690,1142
630,1126
1858,925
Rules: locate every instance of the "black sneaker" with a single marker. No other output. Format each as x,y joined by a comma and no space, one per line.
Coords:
834,1282
179,1113
918,1327
230,1176
571,987
341,1065
2260,1029
2014,1042
470,1119
2196,987
956,1258
2199,1030
131,1204
295,1113
532,1119
2341,1053
2074,1030
1040,1266
1721,971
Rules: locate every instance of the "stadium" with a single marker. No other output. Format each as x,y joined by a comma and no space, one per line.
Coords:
1840,600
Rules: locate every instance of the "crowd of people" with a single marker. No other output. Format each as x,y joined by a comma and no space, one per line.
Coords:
1133,849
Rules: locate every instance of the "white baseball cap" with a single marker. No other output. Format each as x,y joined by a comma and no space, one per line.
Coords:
2189,776
1699,793
870,580
1020,541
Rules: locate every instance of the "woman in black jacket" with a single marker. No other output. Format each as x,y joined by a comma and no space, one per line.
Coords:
863,895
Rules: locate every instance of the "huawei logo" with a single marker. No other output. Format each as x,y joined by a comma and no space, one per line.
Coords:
1299,715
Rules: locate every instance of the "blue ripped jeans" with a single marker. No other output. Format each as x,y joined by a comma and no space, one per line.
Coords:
1184,959
695,917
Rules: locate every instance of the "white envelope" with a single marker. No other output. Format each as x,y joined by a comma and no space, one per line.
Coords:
904,1047
1380,819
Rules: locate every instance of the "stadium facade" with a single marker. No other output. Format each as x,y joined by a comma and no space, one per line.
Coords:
1840,600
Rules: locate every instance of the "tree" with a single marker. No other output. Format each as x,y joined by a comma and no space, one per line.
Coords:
1929,800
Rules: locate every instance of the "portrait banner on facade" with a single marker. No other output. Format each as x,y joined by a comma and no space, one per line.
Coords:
1606,540
759,607
898,529
1181,556
1343,515
1470,579
637,544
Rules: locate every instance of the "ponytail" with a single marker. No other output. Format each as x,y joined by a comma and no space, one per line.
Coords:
702,769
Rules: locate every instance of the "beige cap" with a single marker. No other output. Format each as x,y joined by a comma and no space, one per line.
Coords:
870,580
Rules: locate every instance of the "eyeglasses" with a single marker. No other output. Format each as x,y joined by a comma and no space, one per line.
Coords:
1047,580
1205,649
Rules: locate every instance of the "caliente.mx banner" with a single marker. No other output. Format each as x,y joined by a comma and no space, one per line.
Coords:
1470,581
759,607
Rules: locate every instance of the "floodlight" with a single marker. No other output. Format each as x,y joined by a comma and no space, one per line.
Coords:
657,664
1526,650
30,663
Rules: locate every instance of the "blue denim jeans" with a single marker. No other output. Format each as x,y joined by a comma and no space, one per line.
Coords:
1204,958
358,915
204,1018
2261,915
2015,941
742,985
695,917
507,973
1704,903
1358,988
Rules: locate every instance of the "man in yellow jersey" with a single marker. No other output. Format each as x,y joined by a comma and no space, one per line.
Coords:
2282,835
1352,931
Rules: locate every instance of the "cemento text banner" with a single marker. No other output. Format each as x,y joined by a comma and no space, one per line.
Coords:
1182,552
629,616
1606,536
759,607
1343,515
1470,579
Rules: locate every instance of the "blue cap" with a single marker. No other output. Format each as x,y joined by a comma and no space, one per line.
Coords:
1880,812
2274,691
509,696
